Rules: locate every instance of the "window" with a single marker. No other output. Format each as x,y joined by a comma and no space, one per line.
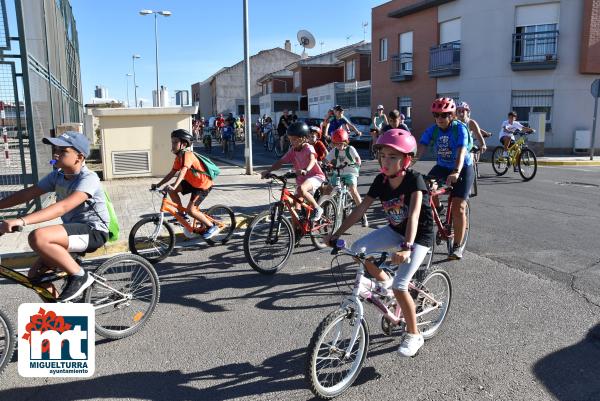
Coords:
453,95
406,48
536,42
405,107
532,101
350,70
383,50
296,79
450,31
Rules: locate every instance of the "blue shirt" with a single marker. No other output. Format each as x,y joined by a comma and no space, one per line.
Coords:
447,145
335,124
227,132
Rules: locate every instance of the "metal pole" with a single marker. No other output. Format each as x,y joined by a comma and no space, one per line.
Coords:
127,87
156,49
134,81
594,128
247,99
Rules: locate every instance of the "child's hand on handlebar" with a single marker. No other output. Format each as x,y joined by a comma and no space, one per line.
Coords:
264,174
10,226
400,257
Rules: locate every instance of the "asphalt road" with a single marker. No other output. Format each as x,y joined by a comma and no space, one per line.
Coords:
523,323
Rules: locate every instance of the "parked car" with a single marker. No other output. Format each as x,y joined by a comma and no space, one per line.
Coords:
311,121
363,124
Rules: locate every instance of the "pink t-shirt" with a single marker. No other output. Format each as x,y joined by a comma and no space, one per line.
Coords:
300,159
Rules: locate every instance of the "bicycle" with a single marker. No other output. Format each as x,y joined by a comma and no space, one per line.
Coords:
445,232
153,237
278,149
519,155
270,237
339,345
207,141
124,294
476,153
341,196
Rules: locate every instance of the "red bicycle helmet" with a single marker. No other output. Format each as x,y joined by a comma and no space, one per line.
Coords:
443,105
339,135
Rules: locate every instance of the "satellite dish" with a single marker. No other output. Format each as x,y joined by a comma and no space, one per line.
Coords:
306,40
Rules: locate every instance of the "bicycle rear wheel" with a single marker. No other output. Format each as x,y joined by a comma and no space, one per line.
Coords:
450,240
225,219
266,246
329,371
144,242
326,224
124,295
433,313
527,164
499,162
8,339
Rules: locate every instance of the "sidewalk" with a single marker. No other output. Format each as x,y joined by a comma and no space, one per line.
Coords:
245,194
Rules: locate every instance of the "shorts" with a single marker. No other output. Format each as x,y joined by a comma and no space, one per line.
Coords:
315,183
462,188
83,238
348,179
187,188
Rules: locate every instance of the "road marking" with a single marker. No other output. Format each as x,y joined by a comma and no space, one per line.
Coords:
571,168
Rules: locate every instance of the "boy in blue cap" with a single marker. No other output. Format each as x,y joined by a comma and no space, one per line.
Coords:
79,203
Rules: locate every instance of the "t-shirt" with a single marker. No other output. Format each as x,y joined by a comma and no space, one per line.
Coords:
352,167
219,122
447,147
300,159
228,132
508,129
195,179
396,204
321,150
94,213
336,123
281,126
378,122
388,127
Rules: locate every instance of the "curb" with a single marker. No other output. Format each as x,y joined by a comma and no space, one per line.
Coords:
568,163
26,259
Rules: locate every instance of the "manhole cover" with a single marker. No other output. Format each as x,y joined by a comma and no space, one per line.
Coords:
579,184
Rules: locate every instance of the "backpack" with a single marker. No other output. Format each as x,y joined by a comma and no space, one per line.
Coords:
348,156
113,223
455,125
212,171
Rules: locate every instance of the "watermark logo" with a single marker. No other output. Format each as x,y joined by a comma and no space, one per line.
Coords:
56,340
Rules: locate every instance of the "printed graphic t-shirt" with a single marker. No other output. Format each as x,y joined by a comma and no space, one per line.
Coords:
396,204
195,179
448,145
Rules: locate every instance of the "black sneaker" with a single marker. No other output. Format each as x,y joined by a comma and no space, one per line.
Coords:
75,287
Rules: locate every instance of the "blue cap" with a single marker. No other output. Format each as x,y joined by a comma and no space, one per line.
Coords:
71,139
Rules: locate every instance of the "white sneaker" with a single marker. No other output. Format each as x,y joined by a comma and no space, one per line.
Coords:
318,214
411,344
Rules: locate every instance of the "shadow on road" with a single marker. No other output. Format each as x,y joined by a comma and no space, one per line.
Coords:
573,373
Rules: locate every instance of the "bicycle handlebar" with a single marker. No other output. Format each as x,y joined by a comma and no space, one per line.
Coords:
14,229
282,178
340,246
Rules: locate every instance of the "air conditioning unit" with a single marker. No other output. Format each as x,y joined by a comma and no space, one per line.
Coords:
582,142
131,163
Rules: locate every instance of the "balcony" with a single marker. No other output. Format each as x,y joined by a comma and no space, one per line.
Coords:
444,60
534,51
401,67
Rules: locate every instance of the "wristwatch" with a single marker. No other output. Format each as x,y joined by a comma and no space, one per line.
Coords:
407,246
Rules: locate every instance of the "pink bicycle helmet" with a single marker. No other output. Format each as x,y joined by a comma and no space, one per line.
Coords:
443,105
463,106
398,139
339,135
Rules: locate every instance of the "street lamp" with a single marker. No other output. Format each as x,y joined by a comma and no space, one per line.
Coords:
164,13
127,86
133,57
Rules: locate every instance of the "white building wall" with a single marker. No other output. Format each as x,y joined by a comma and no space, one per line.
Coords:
486,78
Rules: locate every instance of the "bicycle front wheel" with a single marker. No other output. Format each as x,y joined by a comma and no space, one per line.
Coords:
326,224
8,339
124,294
499,162
527,164
330,367
431,313
268,244
150,241
224,218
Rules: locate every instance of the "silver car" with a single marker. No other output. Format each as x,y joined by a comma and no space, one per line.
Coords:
363,124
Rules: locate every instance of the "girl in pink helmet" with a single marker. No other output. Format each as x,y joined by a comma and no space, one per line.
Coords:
409,234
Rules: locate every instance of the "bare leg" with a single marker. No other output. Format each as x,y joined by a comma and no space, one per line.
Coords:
304,191
38,269
51,244
194,211
459,219
408,310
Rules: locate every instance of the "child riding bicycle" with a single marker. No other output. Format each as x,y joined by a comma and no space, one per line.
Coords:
405,200
309,176
80,203
192,179
315,140
345,155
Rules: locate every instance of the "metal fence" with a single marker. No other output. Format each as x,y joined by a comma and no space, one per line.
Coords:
535,47
353,94
40,87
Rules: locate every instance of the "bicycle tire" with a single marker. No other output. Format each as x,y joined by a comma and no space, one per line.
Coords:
137,278
226,216
425,282
527,156
318,347
329,218
253,238
499,162
474,187
162,249
8,340
278,149
450,240
270,143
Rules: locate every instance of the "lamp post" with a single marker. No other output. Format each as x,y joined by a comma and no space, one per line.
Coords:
164,13
133,57
127,86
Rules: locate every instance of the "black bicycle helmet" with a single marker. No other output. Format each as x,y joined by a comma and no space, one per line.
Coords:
298,129
182,135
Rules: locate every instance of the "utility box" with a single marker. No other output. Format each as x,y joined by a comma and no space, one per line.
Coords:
536,141
582,141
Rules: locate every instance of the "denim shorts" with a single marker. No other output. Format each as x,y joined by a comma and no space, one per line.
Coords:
462,187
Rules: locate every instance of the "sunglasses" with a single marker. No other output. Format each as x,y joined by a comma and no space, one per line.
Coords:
441,115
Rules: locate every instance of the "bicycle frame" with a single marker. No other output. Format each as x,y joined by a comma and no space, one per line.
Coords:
288,200
445,228
514,150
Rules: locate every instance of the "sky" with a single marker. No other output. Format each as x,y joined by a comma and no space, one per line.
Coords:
199,38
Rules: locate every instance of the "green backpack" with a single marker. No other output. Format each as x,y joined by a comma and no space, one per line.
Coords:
348,156
113,223
455,125
212,170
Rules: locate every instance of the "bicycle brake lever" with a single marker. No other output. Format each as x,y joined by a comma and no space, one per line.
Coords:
381,259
